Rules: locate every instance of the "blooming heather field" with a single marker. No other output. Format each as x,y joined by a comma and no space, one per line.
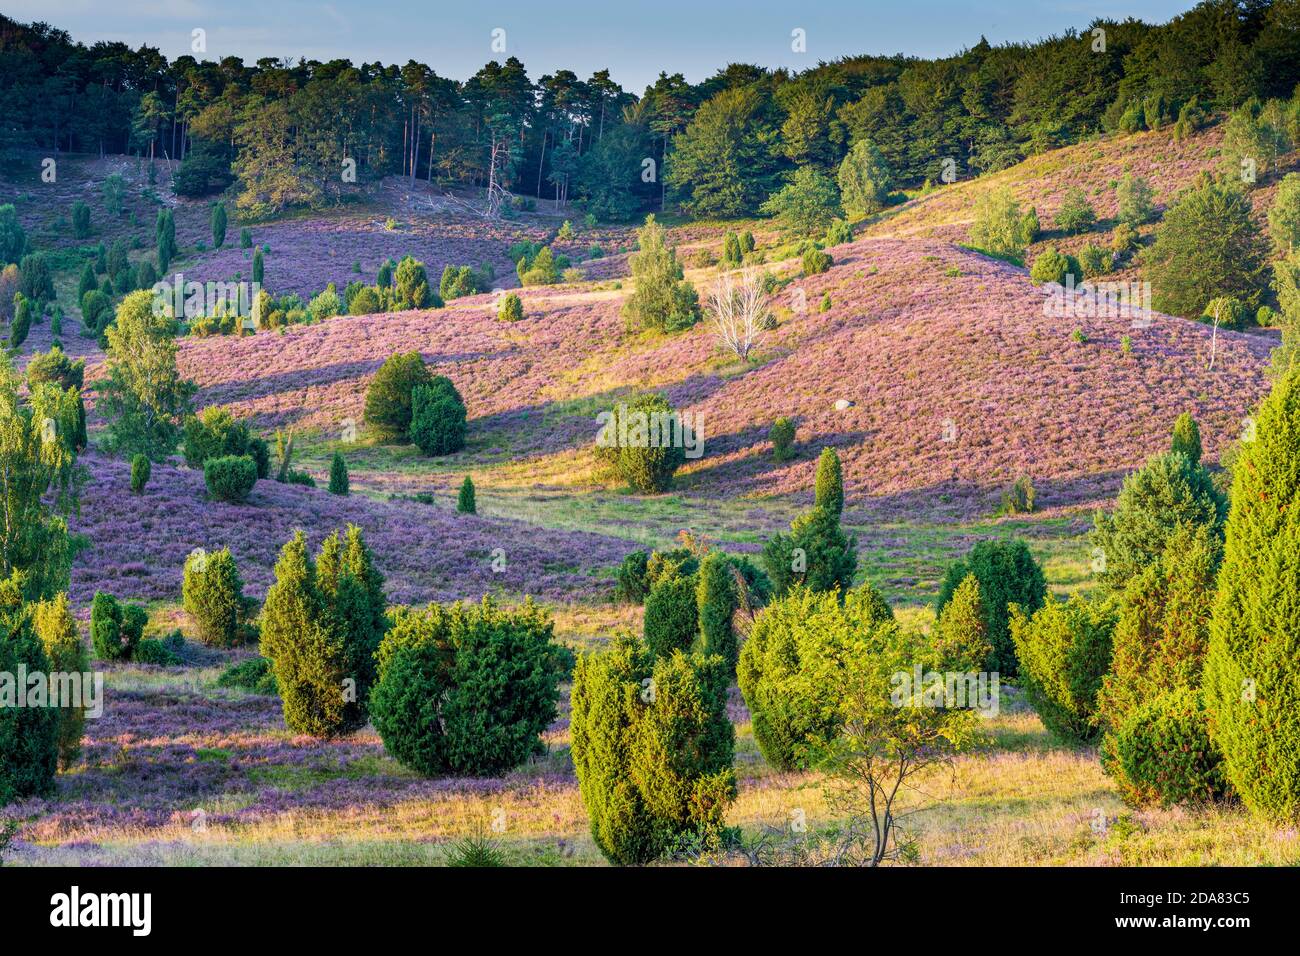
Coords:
426,552
919,335
958,381
181,773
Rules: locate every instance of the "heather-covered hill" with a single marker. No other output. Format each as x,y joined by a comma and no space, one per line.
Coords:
960,380
137,544
1094,166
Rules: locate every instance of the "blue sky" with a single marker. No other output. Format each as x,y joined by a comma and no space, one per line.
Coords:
635,39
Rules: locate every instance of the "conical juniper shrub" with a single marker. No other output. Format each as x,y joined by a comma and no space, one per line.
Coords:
829,488
652,749
1007,574
1064,651
1159,653
791,645
671,616
57,630
1167,491
816,554
1252,666
716,601
466,689
213,595
961,632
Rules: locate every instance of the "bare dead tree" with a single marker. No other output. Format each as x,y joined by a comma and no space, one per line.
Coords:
738,306
497,195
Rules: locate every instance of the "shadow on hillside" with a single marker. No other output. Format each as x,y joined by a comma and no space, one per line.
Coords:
557,426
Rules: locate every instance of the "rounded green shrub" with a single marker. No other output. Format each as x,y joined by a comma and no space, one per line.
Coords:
1053,266
212,433
230,478
1227,312
253,675
438,417
511,308
626,446
157,653
652,749
466,689
632,580
1064,651
671,616
1164,753
364,302
389,397
212,594
787,668
815,261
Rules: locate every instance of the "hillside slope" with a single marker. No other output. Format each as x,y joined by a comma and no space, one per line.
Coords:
960,381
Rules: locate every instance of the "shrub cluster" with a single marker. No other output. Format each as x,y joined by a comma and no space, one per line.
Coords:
230,478
652,749
115,629
1007,574
320,626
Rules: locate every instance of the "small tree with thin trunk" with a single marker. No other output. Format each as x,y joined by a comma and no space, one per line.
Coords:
738,307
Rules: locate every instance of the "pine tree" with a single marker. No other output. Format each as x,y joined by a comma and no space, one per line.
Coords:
1252,665
465,502
338,475
829,492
